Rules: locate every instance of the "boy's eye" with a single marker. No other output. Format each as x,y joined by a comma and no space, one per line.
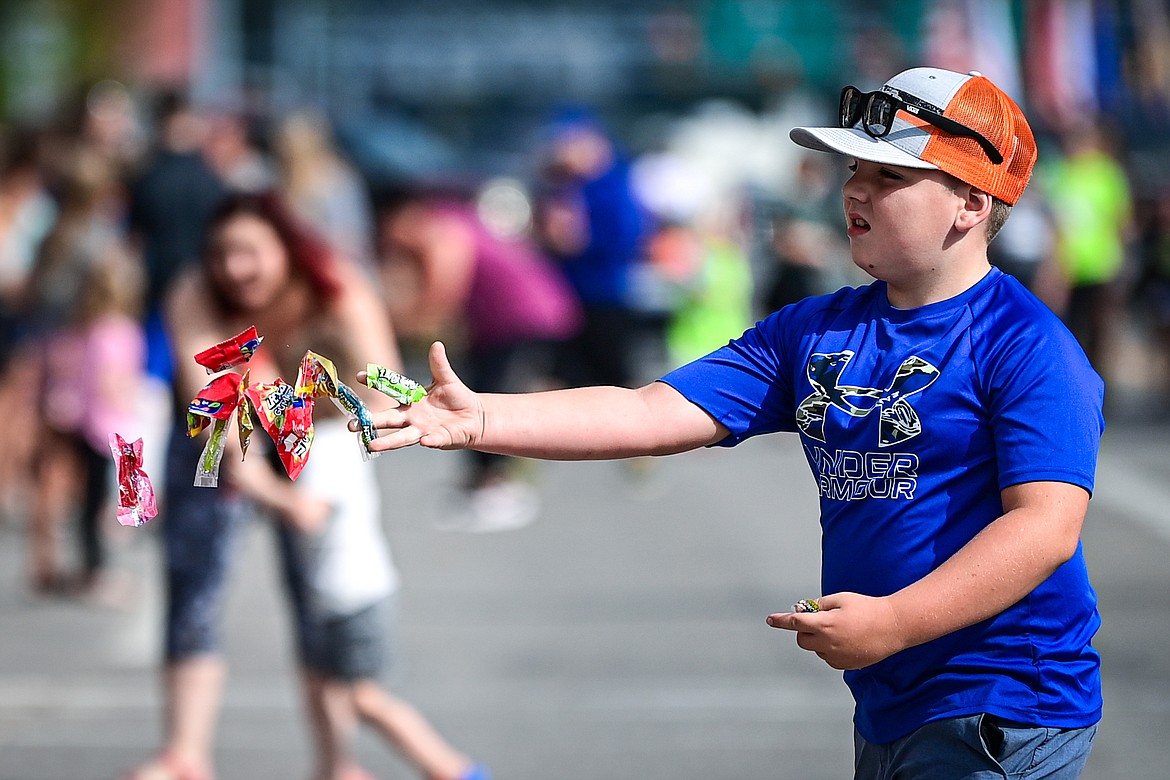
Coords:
852,167
888,174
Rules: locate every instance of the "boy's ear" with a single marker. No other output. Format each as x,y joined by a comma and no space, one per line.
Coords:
975,210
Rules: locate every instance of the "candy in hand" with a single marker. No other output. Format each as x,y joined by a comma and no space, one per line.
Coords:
402,389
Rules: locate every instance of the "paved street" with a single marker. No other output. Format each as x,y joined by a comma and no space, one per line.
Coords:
620,636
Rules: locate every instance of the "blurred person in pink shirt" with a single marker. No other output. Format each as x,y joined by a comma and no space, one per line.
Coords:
446,271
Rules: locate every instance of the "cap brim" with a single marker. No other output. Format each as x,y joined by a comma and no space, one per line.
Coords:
855,143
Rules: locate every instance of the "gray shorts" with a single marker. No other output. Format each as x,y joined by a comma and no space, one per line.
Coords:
977,747
353,647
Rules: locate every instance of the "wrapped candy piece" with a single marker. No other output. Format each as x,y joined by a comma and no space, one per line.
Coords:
349,402
402,389
288,419
136,501
296,437
207,470
213,406
318,376
806,605
244,417
215,401
231,352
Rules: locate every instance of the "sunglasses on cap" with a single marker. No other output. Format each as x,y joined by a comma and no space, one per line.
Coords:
875,111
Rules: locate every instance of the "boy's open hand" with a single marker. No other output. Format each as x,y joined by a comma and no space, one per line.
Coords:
851,631
448,418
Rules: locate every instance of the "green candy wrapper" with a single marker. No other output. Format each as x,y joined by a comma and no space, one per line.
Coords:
207,472
402,389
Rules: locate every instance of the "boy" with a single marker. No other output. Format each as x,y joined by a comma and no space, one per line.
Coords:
952,425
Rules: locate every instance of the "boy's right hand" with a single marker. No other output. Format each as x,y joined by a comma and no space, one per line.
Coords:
450,417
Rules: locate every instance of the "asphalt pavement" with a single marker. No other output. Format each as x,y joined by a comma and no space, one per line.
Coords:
620,636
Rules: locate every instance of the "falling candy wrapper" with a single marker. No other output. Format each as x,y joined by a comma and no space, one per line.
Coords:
244,417
207,470
402,389
213,406
318,376
232,352
136,502
287,418
216,401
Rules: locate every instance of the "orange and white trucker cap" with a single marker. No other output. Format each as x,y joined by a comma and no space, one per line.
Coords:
912,142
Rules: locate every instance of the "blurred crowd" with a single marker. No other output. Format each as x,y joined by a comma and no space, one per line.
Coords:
583,275
611,259
604,248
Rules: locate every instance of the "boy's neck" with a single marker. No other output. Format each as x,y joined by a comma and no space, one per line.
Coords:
936,287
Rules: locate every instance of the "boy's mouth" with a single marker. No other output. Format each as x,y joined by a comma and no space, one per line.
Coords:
856,226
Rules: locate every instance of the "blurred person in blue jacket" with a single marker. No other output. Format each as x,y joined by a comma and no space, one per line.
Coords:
589,218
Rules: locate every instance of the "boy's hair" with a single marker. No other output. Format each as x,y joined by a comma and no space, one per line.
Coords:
1000,211
938,120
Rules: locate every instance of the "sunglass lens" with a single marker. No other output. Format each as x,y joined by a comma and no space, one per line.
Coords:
850,106
879,114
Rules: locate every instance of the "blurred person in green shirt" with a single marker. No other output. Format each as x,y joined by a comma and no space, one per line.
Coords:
1089,193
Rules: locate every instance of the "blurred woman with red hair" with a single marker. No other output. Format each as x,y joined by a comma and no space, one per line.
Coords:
262,267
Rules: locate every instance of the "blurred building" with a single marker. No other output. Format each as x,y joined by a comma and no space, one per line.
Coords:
450,75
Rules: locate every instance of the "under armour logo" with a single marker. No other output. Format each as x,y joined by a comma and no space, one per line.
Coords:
898,420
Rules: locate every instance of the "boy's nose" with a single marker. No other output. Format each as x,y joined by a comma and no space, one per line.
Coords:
852,190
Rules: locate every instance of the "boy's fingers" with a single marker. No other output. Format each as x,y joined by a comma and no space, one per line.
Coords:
789,621
794,620
441,370
388,419
404,437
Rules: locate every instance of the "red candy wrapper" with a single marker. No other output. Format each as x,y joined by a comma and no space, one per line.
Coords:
213,406
136,502
233,352
216,401
288,419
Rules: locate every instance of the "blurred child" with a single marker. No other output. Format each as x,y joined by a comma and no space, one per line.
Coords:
85,292
95,370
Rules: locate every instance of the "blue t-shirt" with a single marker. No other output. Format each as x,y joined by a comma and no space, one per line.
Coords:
913,421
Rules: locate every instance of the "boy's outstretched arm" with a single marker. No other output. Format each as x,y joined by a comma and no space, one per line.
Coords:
575,424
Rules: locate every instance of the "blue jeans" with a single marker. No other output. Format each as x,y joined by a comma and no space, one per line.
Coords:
976,747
